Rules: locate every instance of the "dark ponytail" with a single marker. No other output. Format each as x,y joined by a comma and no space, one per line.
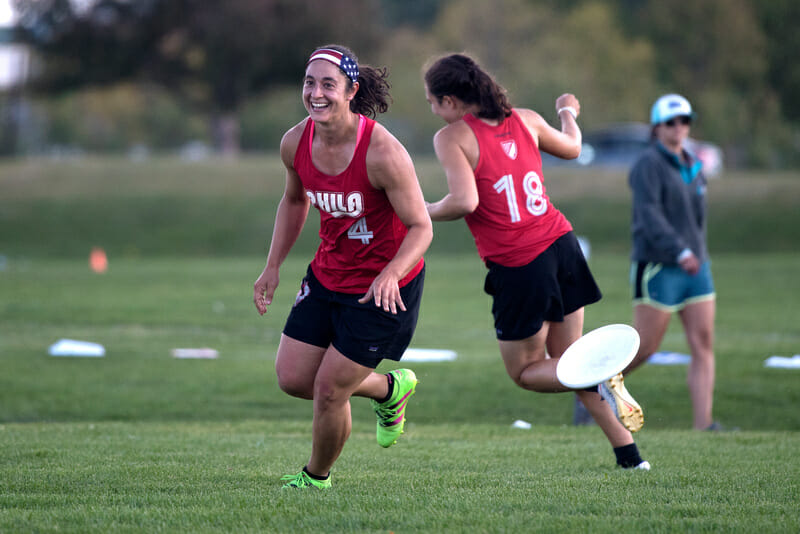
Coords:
459,76
373,95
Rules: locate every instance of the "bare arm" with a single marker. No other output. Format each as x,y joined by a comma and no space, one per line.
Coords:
390,168
289,221
564,143
462,196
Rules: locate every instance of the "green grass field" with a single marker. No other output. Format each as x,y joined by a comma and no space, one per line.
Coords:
139,441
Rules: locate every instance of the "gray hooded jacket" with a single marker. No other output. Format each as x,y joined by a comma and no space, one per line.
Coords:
669,207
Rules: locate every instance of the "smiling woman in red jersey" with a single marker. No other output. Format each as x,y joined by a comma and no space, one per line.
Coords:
359,301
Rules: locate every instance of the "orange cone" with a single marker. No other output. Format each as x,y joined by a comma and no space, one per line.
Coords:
98,261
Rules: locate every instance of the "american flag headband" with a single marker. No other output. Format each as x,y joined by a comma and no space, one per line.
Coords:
343,61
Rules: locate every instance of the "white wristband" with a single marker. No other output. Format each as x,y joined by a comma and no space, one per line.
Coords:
572,111
685,253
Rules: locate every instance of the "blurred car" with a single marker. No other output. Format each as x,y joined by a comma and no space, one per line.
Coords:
619,145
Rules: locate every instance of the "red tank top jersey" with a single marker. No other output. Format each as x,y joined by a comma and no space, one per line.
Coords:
514,221
359,230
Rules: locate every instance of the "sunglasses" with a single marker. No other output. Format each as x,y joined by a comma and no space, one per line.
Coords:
684,119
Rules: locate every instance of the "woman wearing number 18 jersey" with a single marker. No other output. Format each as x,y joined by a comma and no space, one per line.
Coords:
537,276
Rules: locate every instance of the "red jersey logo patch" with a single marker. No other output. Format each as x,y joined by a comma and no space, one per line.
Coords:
510,148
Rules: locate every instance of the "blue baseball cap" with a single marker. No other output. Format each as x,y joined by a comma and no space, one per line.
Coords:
668,107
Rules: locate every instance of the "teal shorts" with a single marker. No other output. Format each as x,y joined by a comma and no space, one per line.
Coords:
668,287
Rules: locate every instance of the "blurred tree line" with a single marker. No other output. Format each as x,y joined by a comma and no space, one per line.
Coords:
157,74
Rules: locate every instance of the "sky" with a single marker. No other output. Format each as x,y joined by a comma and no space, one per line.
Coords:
6,13
13,60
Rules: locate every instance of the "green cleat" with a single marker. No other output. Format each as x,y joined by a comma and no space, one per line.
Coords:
391,414
302,480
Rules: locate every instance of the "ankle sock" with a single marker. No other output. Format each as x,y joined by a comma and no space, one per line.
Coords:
390,380
628,456
315,477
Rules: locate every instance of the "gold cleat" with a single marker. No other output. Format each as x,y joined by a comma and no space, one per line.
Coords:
625,407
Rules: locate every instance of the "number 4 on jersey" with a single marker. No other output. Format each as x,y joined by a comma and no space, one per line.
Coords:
360,231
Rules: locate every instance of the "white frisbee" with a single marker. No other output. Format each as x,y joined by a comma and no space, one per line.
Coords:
597,356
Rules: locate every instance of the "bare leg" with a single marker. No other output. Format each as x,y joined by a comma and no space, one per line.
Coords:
698,323
297,364
374,386
329,378
605,418
336,380
526,365
651,323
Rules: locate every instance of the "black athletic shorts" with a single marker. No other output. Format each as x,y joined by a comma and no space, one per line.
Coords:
556,283
365,333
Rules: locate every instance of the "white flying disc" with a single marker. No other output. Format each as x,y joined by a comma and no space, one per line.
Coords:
202,353
73,347
597,356
428,355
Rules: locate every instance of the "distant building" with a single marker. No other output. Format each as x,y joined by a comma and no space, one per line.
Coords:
18,132
15,63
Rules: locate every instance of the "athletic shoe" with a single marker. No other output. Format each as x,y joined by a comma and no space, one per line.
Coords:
391,414
644,466
302,480
625,408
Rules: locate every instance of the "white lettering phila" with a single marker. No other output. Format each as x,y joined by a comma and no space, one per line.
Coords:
338,204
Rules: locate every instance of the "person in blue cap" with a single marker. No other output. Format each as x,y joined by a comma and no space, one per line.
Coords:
671,270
